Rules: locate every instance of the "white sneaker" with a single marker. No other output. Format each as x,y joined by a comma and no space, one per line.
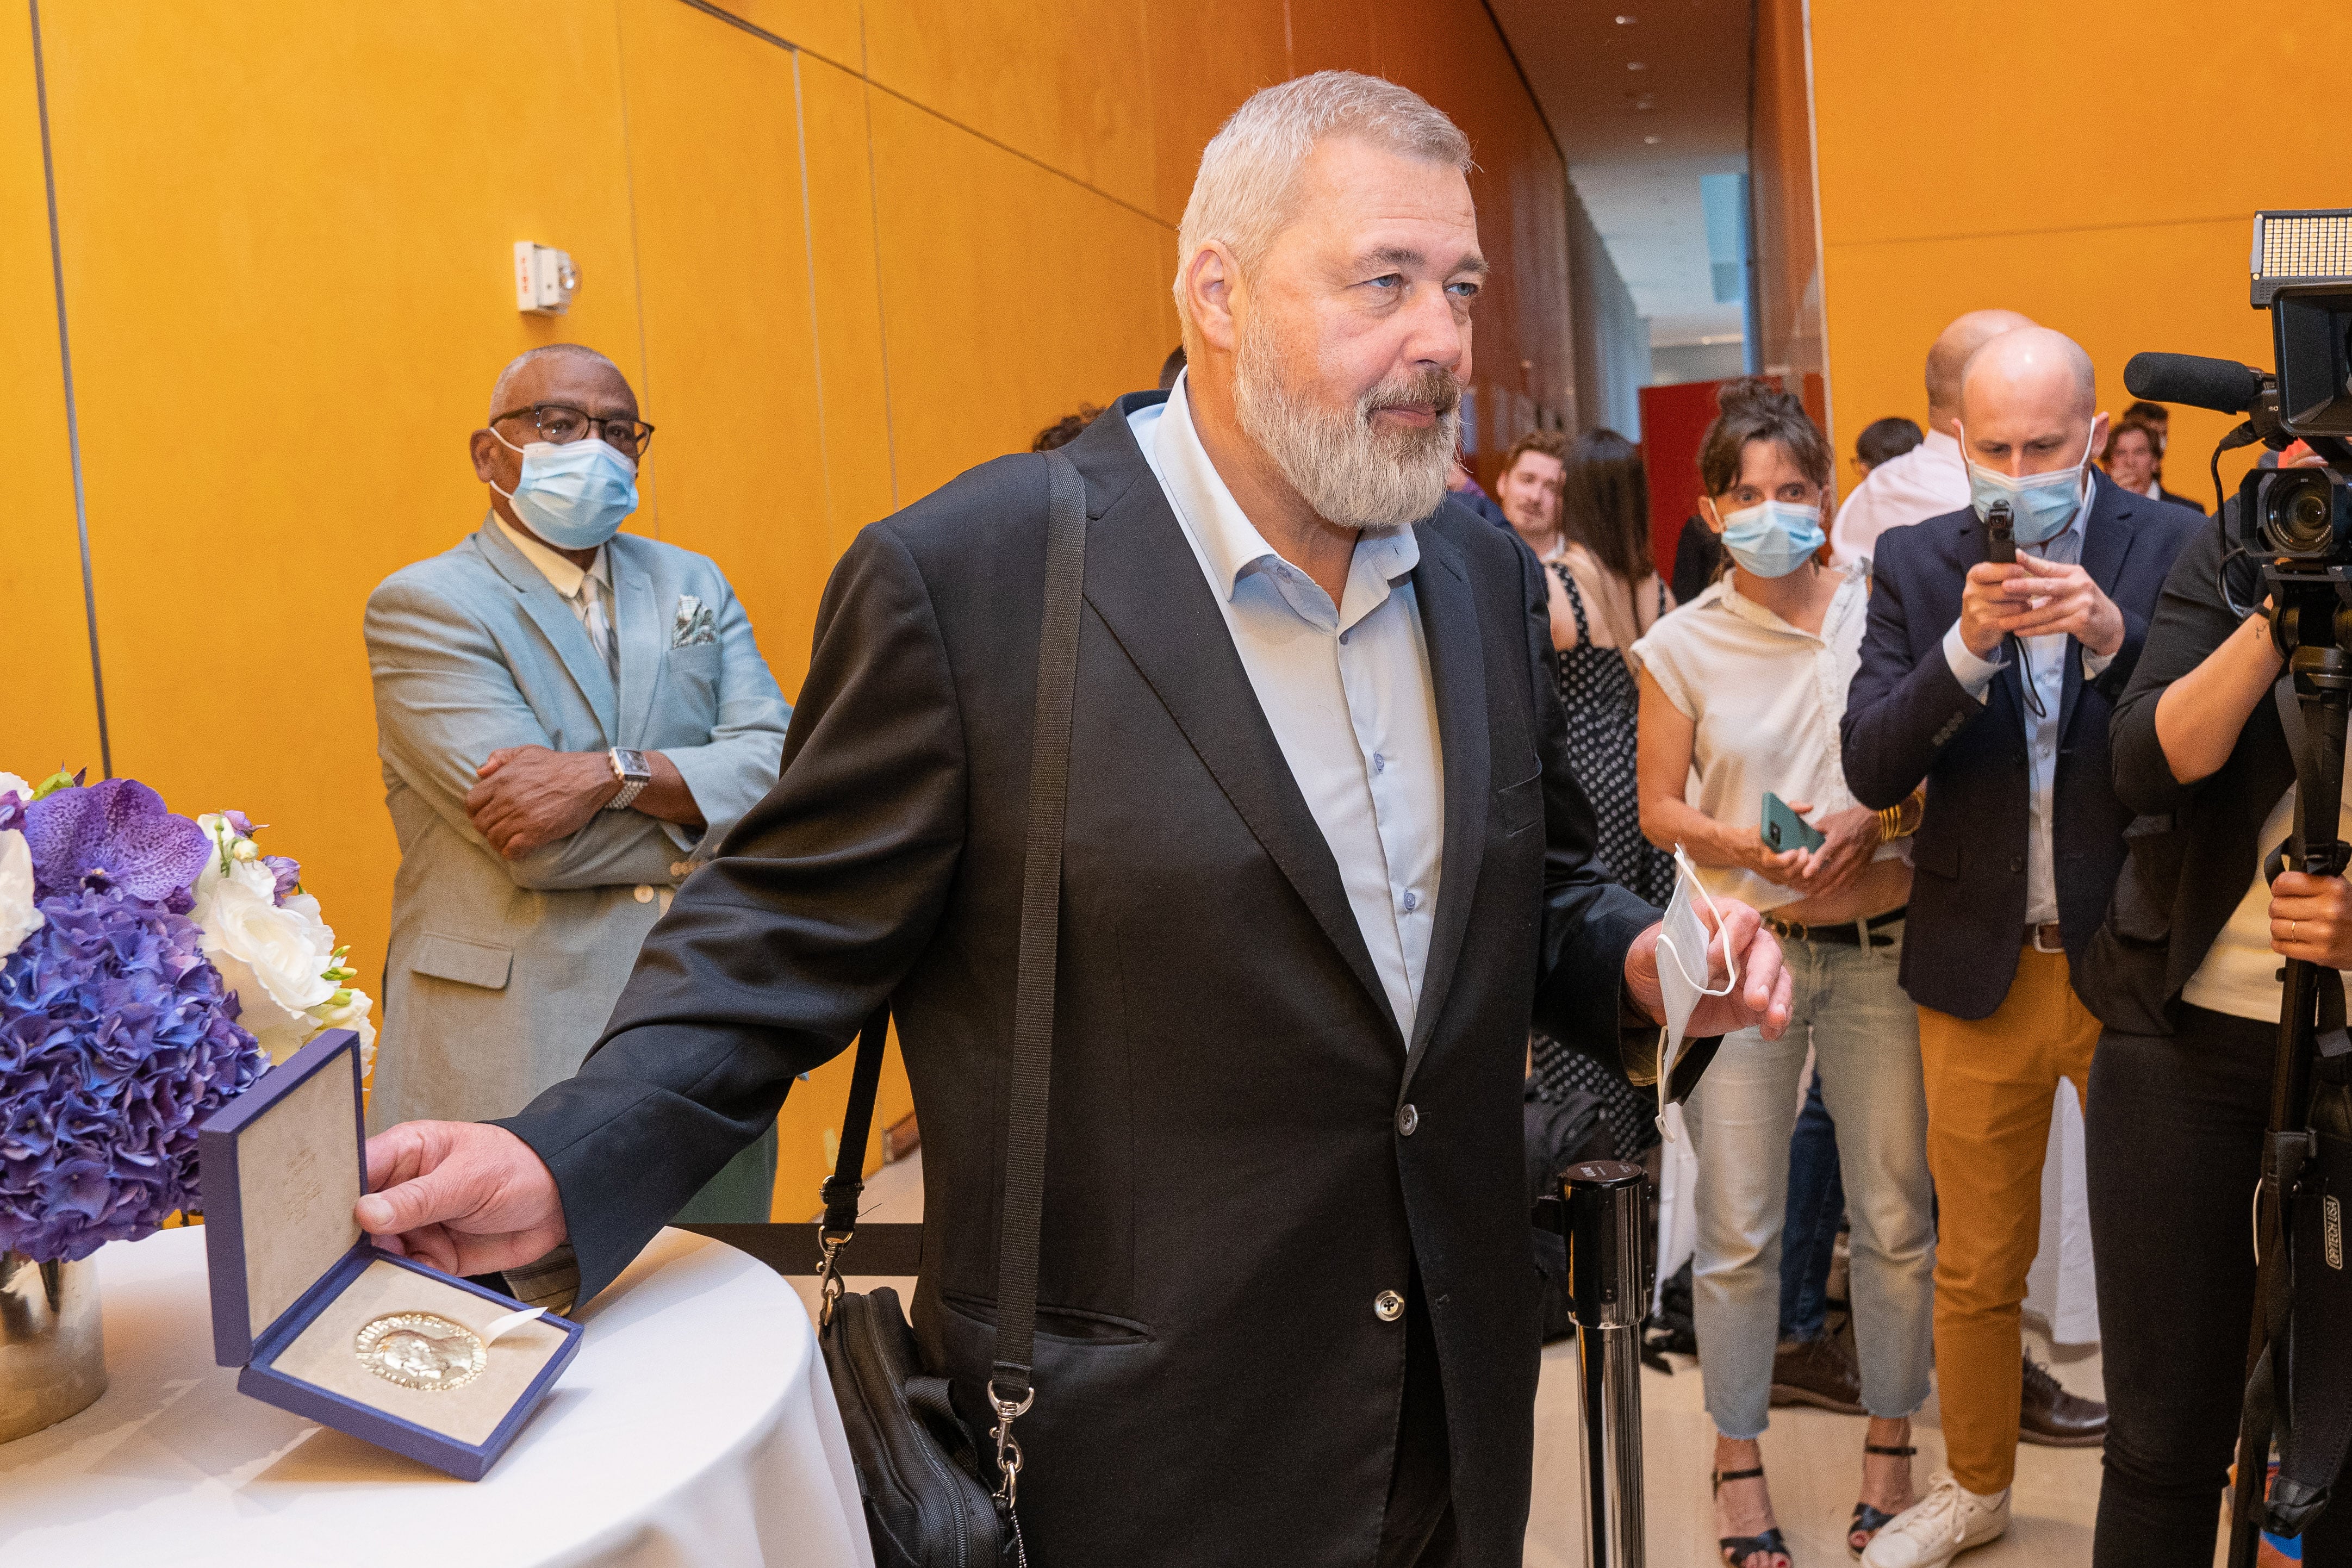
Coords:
1937,1528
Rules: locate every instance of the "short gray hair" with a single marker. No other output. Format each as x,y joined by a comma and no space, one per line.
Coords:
544,351
1242,194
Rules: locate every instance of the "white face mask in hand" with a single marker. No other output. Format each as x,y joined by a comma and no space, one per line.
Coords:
1685,964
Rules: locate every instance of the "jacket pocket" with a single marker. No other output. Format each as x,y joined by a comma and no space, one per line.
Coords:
1521,806
466,962
2141,910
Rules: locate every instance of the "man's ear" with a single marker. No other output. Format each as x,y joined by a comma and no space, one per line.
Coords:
1212,280
2099,434
484,448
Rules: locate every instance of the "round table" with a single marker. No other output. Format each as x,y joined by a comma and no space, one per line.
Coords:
696,1426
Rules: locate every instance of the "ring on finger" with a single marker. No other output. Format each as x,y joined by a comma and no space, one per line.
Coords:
2291,927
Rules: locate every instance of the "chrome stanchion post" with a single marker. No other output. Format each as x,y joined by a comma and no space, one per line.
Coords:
1601,1213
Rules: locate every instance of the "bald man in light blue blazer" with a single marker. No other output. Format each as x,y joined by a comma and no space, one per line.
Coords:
566,716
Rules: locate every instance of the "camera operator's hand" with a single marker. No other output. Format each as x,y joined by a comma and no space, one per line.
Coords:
2064,599
2311,919
1853,840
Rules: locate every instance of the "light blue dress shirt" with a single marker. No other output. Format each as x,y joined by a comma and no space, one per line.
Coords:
2045,658
1345,686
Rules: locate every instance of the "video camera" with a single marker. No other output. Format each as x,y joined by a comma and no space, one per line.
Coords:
2297,524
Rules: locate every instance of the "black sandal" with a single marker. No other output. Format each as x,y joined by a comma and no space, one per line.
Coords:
1738,1549
1868,1521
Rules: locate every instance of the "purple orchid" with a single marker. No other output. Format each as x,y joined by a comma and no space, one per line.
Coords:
112,834
289,872
12,812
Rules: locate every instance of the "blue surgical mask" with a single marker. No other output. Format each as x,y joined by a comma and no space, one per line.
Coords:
1773,539
2040,505
573,495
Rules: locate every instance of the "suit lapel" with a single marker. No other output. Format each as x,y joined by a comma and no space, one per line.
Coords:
1457,669
558,625
2108,535
641,637
1145,584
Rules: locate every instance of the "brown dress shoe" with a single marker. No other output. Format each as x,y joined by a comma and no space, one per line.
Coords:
1818,1372
2055,1419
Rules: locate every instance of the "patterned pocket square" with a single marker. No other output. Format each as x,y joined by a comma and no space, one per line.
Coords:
696,623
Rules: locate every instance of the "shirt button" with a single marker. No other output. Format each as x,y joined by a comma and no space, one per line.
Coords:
1407,1119
1343,639
2017,864
644,895
1412,901
1380,762
1388,1306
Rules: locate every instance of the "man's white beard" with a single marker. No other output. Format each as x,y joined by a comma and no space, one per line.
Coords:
1353,475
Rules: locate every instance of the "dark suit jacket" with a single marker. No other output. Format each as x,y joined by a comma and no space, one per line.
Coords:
1228,1185
2192,847
2166,495
1907,718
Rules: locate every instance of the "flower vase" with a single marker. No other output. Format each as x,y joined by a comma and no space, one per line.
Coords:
52,1355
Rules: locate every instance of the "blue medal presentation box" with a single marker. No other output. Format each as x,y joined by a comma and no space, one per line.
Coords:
323,1323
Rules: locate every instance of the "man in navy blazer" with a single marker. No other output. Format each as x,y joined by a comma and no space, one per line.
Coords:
1993,684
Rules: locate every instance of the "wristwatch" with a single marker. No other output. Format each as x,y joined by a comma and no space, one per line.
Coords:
631,769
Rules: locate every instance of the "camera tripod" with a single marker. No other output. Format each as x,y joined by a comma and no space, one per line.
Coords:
2313,630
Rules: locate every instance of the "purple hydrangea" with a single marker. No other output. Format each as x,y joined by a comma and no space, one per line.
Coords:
117,1041
112,834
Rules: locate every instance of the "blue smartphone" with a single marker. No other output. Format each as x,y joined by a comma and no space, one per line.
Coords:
1785,830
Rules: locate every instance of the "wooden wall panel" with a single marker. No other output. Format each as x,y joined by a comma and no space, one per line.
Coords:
831,29
850,362
281,346
2055,205
1194,90
1010,295
1061,84
49,707
736,468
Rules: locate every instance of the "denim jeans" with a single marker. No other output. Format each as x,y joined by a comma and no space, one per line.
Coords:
1865,1034
1809,1234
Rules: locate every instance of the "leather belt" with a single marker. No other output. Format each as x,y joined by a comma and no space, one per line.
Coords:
1845,933
2045,938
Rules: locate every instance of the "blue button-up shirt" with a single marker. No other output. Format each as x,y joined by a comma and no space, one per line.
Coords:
1345,686
2045,658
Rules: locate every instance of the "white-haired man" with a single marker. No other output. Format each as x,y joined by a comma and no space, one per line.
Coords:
1323,861
564,713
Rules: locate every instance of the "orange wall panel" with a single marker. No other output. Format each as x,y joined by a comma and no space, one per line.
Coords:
1010,295
48,705
1194,90
832,30
1061,84
2051,203
851,367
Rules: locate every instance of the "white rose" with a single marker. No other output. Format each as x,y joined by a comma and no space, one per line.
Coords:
274,956
19,917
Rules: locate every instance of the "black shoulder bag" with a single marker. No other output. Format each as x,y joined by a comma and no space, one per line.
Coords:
919,1471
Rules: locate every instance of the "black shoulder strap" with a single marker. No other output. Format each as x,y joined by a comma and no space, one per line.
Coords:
1041,898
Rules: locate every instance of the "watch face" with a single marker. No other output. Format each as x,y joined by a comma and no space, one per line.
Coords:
631,764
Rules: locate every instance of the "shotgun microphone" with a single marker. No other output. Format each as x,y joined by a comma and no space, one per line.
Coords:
2223,385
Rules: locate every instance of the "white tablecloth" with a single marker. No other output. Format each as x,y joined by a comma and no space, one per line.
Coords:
696,1426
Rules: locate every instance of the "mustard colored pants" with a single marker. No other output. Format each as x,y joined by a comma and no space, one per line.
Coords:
1991,1083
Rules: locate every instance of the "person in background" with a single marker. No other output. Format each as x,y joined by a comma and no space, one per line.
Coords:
566,714
1585,512
2130,457
2158,420
1065,429
1882,441
1930,480
1464,486
1172,367
1742,693
1994,683
2185,973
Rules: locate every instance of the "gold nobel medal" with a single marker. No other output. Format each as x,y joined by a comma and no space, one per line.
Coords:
418,1350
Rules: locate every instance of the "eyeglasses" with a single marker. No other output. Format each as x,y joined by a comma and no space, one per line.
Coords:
560,424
